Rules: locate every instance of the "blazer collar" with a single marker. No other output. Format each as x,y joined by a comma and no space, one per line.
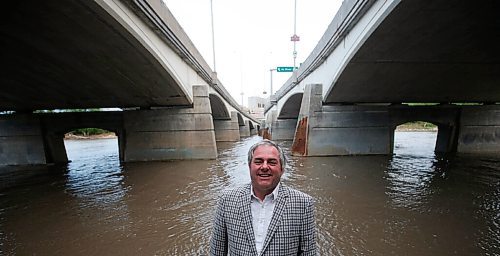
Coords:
246,214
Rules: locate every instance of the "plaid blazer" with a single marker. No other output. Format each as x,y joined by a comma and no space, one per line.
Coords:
292,229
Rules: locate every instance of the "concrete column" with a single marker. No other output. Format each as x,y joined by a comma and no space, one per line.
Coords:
55,149
479,131
245,129
227,130
284,129
268,129
253,129
340,130
21,141
168,134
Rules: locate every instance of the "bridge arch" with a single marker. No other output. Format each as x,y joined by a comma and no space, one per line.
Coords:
291,107
444,117
241,122
219,109
54,130
412,136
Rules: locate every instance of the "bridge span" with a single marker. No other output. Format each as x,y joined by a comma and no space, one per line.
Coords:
130,55
375,57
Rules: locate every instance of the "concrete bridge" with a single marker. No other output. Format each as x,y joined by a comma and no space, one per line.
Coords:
129,54
377,56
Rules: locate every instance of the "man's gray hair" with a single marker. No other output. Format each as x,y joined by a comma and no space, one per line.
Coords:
267,143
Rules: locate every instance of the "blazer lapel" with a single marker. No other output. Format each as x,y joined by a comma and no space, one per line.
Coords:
246,214
277,215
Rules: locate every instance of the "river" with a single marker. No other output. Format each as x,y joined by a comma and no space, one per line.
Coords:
411,203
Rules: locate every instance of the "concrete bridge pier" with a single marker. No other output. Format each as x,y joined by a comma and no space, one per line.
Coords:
253,128
227,130
21,140
284,129
55,151
168,134
446,138
340,130
479,130
245,129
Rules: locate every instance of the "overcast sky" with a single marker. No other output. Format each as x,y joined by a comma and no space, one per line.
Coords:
251,37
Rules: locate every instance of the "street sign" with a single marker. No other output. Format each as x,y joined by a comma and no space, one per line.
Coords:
284,69
295,38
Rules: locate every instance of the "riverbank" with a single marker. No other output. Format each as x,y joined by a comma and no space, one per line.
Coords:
417,127
109,135
408,127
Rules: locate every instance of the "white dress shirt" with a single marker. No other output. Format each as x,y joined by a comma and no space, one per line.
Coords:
262,212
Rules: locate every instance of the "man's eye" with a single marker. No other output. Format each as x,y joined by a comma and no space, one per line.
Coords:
257,161
273,163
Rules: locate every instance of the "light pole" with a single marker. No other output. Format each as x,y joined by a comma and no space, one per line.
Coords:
271,72
295,38
213,35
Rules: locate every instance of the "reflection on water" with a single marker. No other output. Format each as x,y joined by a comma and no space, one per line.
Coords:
411,203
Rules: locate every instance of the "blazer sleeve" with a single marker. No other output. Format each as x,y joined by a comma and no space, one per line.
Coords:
219,239
308,239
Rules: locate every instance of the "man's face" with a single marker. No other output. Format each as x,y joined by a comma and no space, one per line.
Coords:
265,170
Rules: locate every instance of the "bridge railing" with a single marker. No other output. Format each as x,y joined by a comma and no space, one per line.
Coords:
346,18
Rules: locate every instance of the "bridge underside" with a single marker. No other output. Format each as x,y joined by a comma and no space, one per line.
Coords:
74,54
427,51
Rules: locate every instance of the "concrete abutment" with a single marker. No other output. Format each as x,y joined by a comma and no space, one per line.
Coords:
284,129
21,140
227,130
479,131
171,134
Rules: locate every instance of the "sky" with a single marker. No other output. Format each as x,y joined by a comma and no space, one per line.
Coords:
252,37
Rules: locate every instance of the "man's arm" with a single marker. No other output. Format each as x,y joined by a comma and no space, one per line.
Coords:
218,241
308,239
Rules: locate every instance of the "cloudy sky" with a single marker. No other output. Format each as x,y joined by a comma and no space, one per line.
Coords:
252,37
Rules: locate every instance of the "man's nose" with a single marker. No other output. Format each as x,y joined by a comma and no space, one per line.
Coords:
265,165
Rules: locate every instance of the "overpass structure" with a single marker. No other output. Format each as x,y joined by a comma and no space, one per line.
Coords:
127,54
376,56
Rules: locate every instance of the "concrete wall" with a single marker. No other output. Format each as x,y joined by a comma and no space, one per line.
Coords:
21,141
245,129
169,134
284,129
227,130
480,130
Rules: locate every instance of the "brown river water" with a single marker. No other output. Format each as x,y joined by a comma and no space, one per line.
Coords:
411,203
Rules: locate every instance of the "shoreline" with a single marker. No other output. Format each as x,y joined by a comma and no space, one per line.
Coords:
69,136
112,135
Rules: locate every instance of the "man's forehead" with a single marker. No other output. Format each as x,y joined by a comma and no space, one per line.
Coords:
266,149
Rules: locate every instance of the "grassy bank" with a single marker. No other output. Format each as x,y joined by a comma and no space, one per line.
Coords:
416,126
89,133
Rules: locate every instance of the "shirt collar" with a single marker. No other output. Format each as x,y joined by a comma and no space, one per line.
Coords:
274,193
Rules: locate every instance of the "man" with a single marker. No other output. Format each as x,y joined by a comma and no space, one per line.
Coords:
264,217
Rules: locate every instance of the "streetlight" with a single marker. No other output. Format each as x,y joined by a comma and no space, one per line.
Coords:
271,93
295,38
213,35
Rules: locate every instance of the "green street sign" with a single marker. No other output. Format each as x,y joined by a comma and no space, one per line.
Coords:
284,69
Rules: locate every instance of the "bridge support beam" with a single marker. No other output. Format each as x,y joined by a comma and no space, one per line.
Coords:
284,129
171,134
55,151
479,130
21,140
253,129
227,130
340,130
245,129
